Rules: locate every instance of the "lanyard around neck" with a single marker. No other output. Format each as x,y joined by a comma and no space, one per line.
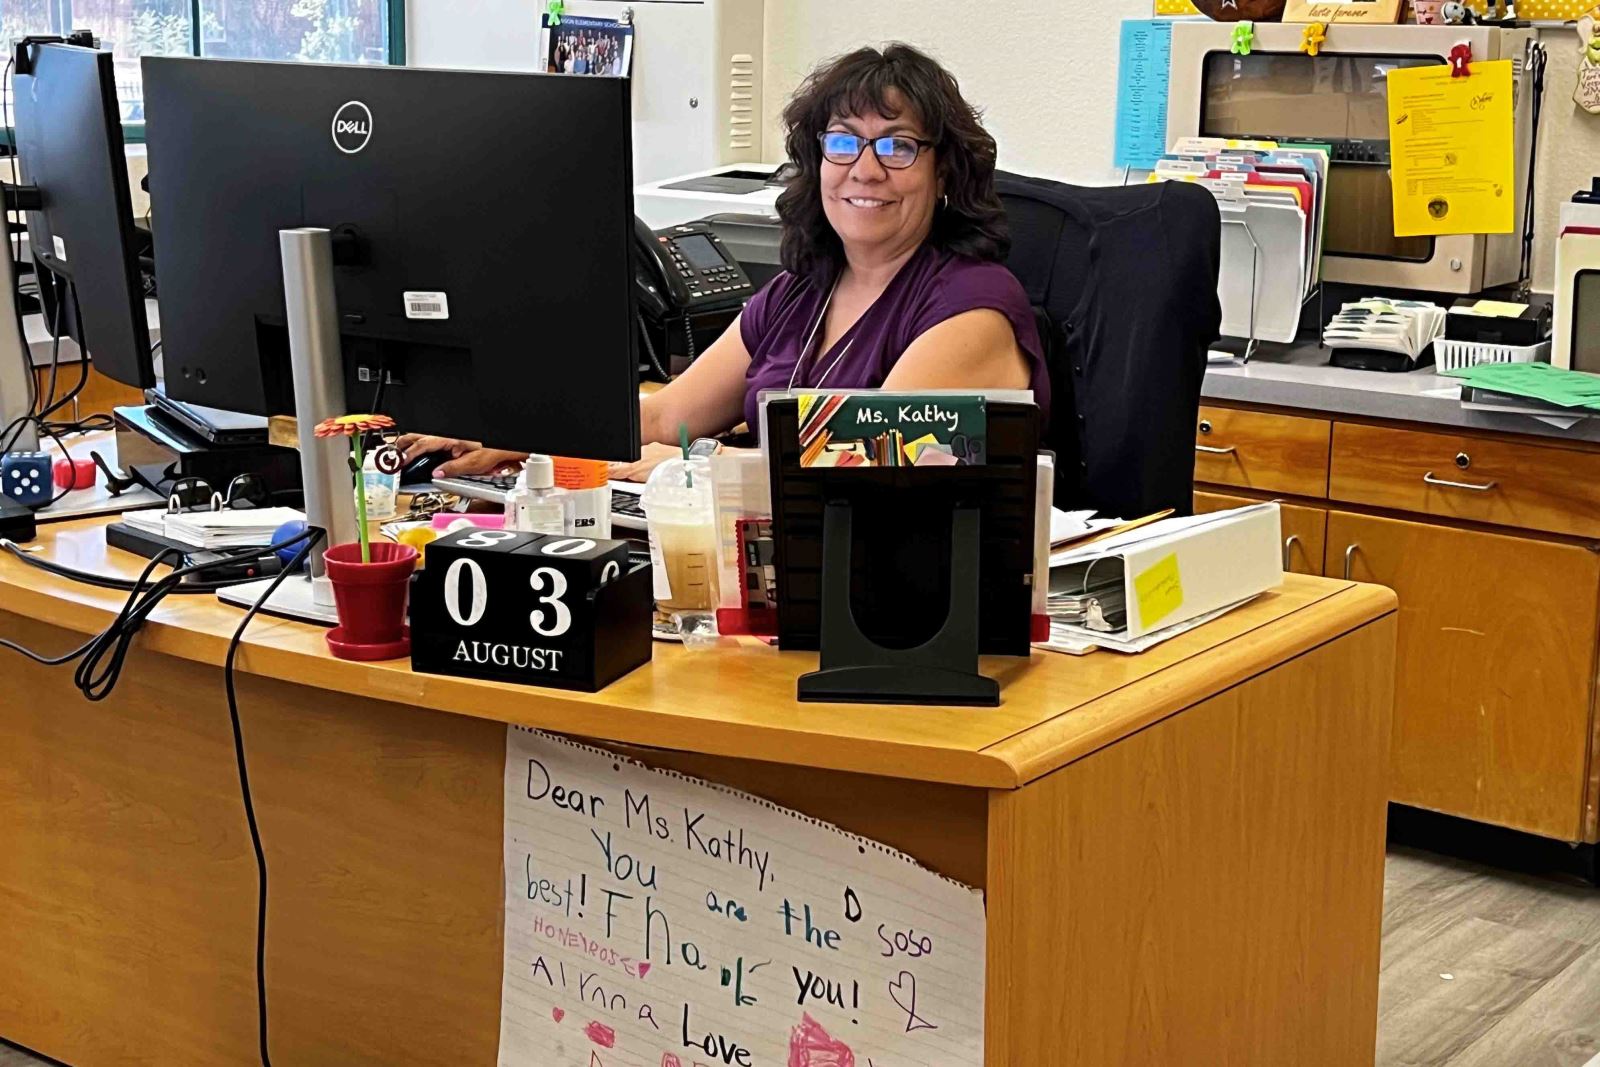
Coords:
806,350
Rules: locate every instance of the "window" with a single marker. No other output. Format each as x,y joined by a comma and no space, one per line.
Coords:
315,31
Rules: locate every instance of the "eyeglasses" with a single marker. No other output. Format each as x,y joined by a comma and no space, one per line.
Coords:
195,494
896,153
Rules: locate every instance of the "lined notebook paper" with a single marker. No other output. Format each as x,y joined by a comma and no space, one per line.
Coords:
655,920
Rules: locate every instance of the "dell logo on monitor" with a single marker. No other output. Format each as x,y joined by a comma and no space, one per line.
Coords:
352,127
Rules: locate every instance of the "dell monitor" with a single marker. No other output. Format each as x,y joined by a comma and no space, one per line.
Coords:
69,146
482,232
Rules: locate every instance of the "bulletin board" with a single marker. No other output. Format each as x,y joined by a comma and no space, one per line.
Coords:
1552,10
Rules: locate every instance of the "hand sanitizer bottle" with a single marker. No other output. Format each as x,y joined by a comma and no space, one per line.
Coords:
536,505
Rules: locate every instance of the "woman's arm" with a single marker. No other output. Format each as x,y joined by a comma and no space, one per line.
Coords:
708,398
973,350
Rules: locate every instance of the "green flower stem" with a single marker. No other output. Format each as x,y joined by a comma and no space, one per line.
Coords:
361,498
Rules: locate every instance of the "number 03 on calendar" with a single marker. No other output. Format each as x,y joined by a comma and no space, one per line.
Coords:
566,612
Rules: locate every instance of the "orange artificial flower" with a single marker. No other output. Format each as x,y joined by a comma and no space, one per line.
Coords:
350,425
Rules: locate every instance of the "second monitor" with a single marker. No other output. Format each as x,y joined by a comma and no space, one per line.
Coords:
482,228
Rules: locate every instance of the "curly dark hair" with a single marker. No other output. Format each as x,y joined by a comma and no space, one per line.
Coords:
971,222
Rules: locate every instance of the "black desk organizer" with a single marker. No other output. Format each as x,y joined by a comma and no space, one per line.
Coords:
902,577
609,636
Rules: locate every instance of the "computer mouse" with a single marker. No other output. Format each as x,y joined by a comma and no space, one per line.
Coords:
420,470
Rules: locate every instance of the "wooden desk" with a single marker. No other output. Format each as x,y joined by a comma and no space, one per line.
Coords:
1182,851
1490,535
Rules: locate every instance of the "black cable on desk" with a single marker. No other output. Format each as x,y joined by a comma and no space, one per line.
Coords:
314,535
114,641
100,659
121,585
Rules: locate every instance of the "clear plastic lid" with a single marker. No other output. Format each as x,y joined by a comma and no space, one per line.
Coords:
680,490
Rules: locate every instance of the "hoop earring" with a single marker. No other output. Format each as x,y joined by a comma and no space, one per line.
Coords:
944,201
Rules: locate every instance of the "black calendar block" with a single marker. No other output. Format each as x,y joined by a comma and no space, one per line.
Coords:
474,565
585,562
565,612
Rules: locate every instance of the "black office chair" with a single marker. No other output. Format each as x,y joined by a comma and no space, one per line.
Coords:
1124,282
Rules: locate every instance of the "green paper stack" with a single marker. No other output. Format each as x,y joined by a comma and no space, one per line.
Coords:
1535,381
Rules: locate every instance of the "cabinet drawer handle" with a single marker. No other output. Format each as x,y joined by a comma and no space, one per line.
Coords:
1349,555
1484,488
1215,451
1288,548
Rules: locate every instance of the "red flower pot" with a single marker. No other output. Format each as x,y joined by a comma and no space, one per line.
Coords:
371,598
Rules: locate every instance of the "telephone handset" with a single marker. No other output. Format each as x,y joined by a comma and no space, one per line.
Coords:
686,270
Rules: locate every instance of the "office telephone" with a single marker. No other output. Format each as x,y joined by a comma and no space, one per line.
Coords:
687,270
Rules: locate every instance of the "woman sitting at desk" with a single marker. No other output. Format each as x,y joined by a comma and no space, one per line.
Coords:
893,238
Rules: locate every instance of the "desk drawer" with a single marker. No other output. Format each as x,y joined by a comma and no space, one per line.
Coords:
1472,478
1254,450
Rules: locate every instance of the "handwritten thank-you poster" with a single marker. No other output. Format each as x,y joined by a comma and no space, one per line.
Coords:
654,920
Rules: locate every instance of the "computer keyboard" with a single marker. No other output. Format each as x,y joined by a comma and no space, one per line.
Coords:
626,510
490,487
627,505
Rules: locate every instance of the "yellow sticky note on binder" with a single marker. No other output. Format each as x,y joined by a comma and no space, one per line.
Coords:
1159,590
1451,144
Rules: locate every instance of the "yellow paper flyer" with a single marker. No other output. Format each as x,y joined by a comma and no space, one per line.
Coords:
1451,150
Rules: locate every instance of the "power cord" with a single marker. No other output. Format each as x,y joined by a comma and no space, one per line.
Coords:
87,424
650,350
15,245
124,585
688,333
9,435
314,536
101,658
97,682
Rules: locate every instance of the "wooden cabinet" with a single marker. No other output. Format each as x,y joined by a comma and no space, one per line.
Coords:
1495,667
1255,450
1480,479
1304,528
100,394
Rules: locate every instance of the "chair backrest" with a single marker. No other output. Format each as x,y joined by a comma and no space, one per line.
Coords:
1124,281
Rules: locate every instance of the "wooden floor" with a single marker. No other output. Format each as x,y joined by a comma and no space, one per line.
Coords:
1481,968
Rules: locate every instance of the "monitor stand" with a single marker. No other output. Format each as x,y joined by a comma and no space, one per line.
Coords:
318,370
296,598
16,362
857,670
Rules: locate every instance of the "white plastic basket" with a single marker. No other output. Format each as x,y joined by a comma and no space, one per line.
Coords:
1453,355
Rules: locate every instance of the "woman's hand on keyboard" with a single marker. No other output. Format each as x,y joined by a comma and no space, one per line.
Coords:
652,457
466,457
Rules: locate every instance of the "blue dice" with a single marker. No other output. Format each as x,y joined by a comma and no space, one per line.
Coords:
25,478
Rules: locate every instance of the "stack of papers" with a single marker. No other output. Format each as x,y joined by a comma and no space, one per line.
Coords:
1506,404
214,530
1132,590
1069,526
1065,637
1405,327
1572,391
1273,207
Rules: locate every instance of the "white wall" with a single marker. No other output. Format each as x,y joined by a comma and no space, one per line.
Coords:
683,71
473,34
1043,71
1569,149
